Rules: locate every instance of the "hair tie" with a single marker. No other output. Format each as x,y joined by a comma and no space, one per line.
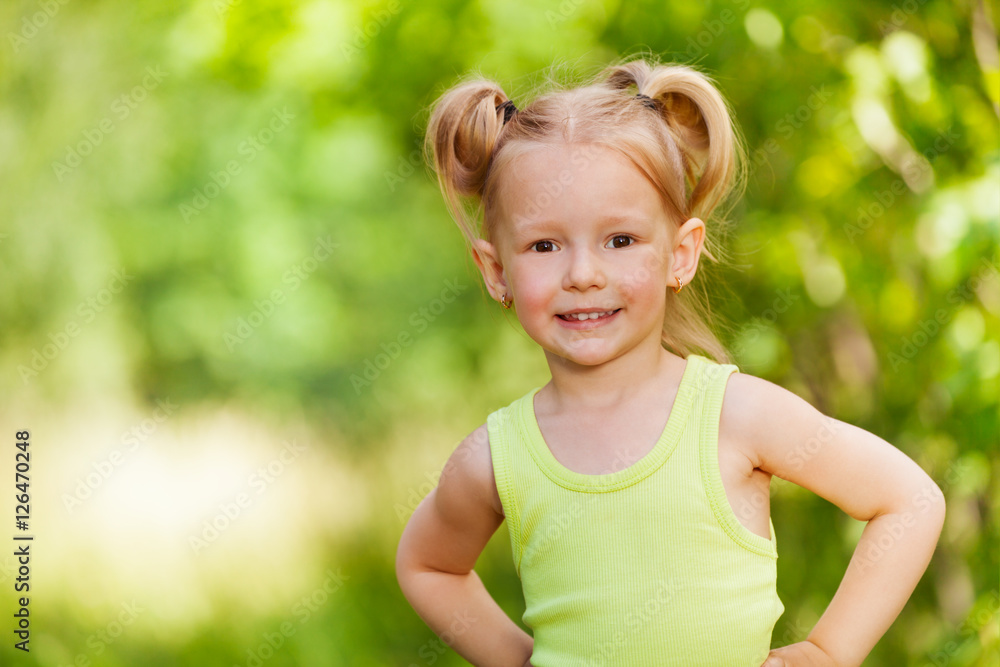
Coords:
508,110
647,101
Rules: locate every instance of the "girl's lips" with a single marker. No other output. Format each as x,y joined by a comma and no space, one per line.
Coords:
582,325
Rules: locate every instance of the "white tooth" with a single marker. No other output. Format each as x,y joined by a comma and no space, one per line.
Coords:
589,316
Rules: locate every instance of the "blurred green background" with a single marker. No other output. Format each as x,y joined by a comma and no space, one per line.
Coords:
245,334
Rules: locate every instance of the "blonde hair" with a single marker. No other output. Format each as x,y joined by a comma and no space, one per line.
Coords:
688,148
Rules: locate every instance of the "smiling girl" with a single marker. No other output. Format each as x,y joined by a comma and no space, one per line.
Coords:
635,483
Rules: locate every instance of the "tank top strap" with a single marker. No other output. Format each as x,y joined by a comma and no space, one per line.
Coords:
503,434
714,379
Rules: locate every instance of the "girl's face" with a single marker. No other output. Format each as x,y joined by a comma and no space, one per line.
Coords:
585,249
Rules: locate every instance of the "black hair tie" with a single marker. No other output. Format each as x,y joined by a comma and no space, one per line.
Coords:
647,101
508,110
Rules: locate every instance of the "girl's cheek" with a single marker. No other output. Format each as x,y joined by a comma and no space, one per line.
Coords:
636,279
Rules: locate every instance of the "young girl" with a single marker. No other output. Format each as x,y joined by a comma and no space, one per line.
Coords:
635,483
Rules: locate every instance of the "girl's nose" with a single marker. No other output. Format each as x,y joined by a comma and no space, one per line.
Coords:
584,271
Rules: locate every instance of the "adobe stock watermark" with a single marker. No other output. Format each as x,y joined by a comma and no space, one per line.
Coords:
419,320
418,493
264,309
789,125
929,327
59,340
129,442
554,188
761,323
33,24
222,7
711,29
552,528
900,14
565,9
477,440
121,109
100,641
915,171
794,632
968,631
660,594
303,611
230,511
750,508
804,452
930,495
405,168
248,150
364,35
898,524
432,650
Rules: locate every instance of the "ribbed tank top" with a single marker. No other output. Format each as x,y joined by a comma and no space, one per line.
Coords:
647,565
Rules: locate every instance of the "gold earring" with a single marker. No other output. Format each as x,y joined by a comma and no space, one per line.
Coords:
503,301
680,285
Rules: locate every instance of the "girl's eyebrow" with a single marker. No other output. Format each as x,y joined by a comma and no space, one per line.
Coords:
533,227
624,219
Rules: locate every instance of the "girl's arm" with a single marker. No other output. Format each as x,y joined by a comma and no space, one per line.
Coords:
439,547
871,481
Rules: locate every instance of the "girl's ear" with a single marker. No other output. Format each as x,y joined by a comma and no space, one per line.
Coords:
488,260
688,243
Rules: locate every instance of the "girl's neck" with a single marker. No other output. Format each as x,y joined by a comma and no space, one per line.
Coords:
589,389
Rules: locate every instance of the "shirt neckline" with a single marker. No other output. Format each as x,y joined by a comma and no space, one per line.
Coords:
618,479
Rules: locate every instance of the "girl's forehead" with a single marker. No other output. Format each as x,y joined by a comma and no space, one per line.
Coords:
575,176
576,155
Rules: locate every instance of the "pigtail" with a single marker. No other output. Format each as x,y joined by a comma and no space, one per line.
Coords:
462,134
698,118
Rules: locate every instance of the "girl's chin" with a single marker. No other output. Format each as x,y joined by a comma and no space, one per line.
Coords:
584,355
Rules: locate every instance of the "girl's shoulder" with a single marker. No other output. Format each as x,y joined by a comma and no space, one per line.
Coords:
757,414
469,470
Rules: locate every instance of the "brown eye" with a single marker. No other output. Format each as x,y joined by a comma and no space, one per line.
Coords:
544,246
621,241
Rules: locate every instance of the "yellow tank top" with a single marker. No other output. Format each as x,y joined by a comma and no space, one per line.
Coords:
647,565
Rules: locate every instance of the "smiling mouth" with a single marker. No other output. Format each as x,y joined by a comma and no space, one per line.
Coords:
583,317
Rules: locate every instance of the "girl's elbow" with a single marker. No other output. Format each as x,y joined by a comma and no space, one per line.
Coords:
405,560
406,572
939,506
930,503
